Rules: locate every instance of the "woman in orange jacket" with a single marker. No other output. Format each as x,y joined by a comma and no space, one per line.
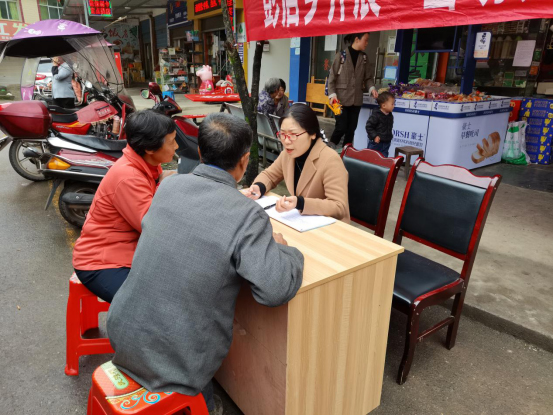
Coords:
103,254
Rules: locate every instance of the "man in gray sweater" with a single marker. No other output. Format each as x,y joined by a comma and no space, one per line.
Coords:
170,323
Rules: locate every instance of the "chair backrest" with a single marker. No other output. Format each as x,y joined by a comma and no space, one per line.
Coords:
275,119
316,93
370,186
445,207
235,110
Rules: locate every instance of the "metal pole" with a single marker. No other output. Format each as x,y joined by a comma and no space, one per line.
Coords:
85,12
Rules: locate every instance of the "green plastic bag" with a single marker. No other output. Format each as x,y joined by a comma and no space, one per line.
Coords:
514,149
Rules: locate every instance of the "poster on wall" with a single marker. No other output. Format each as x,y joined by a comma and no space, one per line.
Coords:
470,142
124,37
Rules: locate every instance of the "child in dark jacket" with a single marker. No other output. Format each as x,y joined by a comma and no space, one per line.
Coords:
380,124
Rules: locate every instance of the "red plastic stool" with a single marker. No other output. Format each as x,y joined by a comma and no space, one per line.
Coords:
114,393
83,308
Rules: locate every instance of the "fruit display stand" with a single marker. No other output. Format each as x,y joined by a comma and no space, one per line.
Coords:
467,134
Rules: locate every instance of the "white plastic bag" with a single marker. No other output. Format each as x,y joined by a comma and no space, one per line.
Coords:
514,150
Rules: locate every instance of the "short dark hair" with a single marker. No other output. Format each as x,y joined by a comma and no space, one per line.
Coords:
383,98
305,117
283,84
146,130
223,139
349,39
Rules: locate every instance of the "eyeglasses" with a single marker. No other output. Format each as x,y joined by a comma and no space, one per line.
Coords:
292,137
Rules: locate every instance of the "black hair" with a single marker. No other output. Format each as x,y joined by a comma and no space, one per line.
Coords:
283,84
349,39
223,139
146,130
305,117
383,98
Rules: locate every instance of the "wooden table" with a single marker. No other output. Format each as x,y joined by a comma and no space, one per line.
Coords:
322,353
213,97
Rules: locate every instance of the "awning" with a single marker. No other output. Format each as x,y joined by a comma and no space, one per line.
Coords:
277,19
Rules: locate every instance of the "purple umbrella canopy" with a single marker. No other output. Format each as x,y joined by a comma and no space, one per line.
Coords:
48,38
54,28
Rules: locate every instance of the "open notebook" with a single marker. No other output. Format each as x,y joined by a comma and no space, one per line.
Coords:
293,218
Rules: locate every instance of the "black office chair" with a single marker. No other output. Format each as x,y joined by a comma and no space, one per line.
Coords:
370,186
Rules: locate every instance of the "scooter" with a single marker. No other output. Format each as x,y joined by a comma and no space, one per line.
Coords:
81,162
86,51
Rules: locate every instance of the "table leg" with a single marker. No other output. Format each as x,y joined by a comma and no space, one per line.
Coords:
407,165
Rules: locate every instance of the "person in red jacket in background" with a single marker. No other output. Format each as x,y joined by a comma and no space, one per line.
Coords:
103,254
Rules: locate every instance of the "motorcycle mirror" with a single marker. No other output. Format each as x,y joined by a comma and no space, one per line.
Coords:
144,93
88,84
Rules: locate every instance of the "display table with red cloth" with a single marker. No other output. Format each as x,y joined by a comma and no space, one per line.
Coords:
213,97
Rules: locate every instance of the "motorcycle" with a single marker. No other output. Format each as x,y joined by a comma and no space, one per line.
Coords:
81,162
87,53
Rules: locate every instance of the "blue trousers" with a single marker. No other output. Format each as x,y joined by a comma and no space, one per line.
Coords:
104,283
381,147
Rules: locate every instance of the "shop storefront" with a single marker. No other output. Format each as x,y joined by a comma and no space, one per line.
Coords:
209,35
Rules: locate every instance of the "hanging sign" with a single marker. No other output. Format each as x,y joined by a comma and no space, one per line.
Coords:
277,19
482,45
177,13
206,6
9,28
99,8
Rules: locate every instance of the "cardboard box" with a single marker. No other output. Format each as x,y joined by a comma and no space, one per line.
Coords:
538,139
537,108
540,158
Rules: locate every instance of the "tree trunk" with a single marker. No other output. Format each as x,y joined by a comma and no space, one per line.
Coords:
249,104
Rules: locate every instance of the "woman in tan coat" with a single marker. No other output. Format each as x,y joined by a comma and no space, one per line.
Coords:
314,173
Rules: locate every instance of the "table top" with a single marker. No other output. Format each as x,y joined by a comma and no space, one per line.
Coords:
335,250
213,97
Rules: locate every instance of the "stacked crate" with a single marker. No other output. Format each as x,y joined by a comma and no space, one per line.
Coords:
538,113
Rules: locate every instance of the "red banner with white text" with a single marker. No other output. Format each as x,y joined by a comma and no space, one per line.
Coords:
277,19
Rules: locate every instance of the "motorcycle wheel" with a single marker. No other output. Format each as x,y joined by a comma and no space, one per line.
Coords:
26,167
75,217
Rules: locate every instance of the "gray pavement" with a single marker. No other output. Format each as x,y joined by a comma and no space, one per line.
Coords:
488,372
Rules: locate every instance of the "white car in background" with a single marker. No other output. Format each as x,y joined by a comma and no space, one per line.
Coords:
43,80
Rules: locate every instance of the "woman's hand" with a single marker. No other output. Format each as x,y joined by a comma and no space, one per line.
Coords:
332,99
279,239
375,93
286,203
377,140
254,192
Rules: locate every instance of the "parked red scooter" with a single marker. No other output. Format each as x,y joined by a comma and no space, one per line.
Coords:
81,162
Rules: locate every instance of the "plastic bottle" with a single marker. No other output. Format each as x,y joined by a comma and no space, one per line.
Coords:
506,48
498,47
116,128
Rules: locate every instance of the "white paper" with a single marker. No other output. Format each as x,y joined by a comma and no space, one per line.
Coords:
330,42
524,53
295,42
266,201
390,49
301,223
297,52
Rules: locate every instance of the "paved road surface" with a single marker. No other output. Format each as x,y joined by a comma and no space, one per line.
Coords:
486,373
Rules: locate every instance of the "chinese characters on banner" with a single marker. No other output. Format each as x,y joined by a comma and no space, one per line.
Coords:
99,8
276,19
9,28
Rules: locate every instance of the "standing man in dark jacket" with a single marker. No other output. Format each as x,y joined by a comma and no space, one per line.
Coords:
350,76
170,323
381,124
